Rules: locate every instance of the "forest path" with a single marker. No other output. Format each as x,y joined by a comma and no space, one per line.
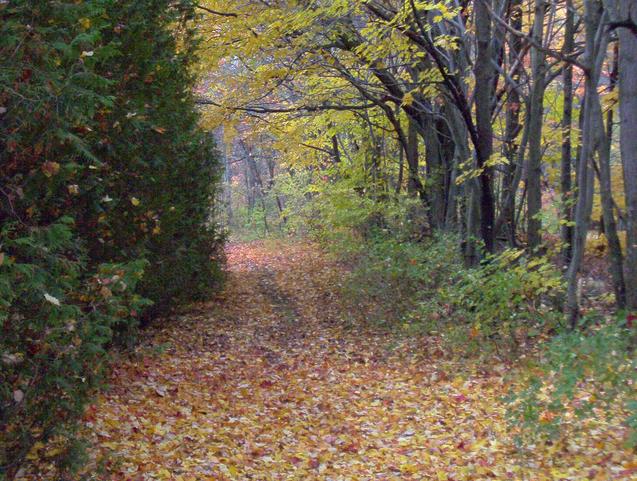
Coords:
267,383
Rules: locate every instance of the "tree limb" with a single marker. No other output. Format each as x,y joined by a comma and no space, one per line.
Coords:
283,110
629,24
215,12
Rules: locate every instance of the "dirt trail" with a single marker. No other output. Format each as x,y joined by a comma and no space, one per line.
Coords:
266,383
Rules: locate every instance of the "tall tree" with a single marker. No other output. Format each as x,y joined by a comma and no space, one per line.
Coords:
592,141
512,125
566,230
535,120
615,255
627,33
484,72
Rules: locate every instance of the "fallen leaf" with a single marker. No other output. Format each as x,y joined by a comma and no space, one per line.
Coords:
18,396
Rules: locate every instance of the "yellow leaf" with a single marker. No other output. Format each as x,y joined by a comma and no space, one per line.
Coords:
163,473
50,168
51,453
557,474
134,201
33,454
408,99
409,468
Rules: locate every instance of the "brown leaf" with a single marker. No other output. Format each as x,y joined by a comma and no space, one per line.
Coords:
50,168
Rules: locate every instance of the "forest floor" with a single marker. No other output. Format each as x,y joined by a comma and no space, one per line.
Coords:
269,382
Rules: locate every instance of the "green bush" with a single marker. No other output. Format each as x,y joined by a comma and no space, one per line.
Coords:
424,286
509,297
55,324
586,375
400,277
99,124
104,173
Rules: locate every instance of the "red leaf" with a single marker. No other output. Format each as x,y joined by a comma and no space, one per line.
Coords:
266,383
460,398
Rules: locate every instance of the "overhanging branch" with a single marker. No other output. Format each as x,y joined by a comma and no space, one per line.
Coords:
215,12
629,24
284,110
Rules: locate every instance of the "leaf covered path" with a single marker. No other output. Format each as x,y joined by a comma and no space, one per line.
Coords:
268,383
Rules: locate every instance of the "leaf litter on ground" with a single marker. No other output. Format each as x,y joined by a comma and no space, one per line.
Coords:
270,381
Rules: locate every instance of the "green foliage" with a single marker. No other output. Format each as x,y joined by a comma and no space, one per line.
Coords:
583,375
398,278
509,297
423,284
104,173
293,188
421,278
347,211
56,321
250,224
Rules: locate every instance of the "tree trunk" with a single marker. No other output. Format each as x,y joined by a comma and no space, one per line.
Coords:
596,43
401,168
271,180
484,71
536,117
336,150
414,186
512,128
628,139
566,231
615,255
435,175
227,188
459,140
470,251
